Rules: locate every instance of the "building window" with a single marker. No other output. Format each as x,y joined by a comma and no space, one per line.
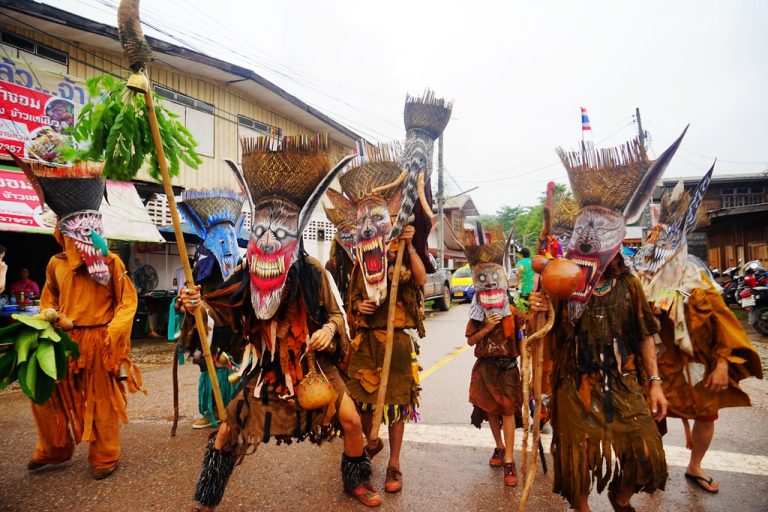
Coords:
247,127
458,221
197,116
742,196
29,46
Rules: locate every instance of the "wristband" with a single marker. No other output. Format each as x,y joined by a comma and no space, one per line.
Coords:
655,378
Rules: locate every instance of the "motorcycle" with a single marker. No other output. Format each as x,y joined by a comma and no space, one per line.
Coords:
755,300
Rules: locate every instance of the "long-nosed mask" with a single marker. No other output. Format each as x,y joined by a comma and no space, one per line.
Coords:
366,192
612,187
75,193
284,180
216,217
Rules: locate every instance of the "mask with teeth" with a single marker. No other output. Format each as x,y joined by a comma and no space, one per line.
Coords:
75,193
272,249
611,187
87,232
488,278
374,226
284,179
368,197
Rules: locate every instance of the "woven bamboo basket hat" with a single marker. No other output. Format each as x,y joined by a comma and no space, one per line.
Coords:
68,189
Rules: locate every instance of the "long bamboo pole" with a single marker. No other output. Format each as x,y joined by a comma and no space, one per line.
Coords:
199,321
379,411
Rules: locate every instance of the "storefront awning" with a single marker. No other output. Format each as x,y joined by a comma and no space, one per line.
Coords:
125,217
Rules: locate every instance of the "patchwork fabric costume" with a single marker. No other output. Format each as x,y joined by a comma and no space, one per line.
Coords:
277,301
697,328
90,286
371,279
495,386
216,216
603,431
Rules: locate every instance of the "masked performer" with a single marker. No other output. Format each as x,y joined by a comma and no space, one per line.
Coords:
88,285
603,430
342,258
370,285
706,352
495,389
216,216
285,306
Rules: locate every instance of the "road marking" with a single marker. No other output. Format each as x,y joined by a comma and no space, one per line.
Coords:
447,359
468,436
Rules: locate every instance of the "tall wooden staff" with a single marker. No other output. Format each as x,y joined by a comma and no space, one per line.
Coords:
379,411
542,324
138,53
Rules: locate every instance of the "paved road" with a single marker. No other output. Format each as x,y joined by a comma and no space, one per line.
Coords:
444,459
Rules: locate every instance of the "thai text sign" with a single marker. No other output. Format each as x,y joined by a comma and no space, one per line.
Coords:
36,107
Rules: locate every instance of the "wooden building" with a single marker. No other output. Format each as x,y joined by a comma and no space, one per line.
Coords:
733,219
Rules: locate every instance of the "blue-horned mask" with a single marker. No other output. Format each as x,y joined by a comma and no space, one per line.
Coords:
216,216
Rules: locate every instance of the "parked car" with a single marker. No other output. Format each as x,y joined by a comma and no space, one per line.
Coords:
438,287
461,284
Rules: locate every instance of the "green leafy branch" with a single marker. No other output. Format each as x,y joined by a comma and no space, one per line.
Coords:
115,130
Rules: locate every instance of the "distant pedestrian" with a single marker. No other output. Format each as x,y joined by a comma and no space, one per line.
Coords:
24,285
525,274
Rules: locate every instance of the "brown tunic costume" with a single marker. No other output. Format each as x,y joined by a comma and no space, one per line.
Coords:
495,384
715,332
368,350
601,422
265,406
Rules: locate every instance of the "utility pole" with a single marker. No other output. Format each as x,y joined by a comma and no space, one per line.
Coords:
640,132
440,193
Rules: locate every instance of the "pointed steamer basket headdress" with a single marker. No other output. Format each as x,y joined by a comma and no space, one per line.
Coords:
677,218
371,197
216,216
425,119
611,187
75,193
284,179
489,276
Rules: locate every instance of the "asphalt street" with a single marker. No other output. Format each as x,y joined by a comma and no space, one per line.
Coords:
444,460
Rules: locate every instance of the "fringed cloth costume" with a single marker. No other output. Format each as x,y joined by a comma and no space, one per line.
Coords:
402,398
265,405
90,401
340,266
495,386
715,332
601,421
90,286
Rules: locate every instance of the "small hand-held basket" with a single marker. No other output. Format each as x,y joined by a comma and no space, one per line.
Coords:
314,391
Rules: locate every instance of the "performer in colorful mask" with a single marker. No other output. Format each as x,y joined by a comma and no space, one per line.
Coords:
603,338
342,257
88,285
495,331
370,285
216,216
706,352
285,306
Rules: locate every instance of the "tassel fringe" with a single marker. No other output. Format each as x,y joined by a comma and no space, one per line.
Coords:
355,471
394,413
214,475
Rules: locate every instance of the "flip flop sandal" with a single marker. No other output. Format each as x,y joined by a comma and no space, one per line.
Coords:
367,495
698,481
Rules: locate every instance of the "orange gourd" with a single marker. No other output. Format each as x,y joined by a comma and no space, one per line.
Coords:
314,391
561,278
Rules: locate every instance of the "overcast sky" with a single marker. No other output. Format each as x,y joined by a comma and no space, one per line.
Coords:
518,72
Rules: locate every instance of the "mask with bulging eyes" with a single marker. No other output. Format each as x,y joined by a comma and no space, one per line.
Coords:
491,286
563,237
596,239
345,234
373,229
86,230
272,249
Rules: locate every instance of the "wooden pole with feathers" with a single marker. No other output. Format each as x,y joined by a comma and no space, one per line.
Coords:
139,54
